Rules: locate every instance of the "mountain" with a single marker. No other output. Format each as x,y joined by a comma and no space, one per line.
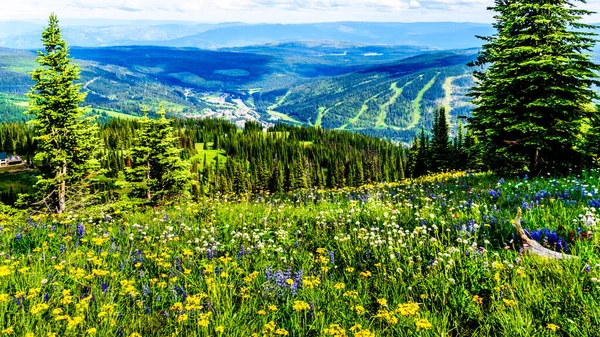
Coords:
440,35
392,100
387,91
443,35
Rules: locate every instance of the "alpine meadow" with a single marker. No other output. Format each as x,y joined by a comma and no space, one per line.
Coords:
297,175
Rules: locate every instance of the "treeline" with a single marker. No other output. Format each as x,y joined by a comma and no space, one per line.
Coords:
226,160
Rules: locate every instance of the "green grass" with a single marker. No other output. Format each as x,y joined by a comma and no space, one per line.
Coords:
18,64
18,180
116,114
434,256
211,155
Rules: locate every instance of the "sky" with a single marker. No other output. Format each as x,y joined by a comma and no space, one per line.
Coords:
259,11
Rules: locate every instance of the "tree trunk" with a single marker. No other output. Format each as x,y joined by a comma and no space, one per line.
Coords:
148,195
62,188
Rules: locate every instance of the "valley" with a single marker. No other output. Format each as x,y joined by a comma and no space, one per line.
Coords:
388,91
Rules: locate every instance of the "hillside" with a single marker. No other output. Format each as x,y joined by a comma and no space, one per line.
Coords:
428,257
330,84
393,100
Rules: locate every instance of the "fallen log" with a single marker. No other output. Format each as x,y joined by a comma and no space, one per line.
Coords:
532,246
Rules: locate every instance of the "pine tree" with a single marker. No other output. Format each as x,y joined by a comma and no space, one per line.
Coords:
158,173
440,144
170,175
138,174
67,141
535,95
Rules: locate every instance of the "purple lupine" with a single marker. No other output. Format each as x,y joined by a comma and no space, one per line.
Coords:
80,230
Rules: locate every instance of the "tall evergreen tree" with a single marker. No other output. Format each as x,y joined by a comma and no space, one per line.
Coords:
158,173
535,95
66,140
440,143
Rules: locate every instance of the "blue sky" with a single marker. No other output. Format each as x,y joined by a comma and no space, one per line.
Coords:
253,11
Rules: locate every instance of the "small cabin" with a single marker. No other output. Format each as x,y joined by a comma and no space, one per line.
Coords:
7,160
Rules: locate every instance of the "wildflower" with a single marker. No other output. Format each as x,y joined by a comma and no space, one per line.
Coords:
91,331
177,307
36,309
5,271
339,286
509,303
300,306
273,307
8,331
219,329
477,299
182,318
350,270
382,302
408,309
281,332
365,274
359,309
4,298
29,334
135,334
262,312
552,326
73,322
423,324
335,330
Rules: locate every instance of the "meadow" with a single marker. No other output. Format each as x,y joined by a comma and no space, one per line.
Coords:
434,256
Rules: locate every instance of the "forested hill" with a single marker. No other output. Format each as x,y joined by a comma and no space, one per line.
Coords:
227,161
385,91
394,100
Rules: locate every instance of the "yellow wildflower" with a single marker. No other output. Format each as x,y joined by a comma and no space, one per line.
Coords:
300,306
552,326
423,324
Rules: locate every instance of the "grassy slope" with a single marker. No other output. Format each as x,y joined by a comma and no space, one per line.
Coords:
403,263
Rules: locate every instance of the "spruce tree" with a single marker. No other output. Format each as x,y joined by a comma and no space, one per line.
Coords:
440,143
138,175
533,99
158,173
67,141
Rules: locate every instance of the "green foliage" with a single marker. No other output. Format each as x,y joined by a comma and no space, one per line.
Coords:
440,143
66,140
157,173
536,94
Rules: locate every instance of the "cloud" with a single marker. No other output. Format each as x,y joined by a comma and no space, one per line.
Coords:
284,11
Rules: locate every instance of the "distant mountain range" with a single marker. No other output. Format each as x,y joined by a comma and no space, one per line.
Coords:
440,35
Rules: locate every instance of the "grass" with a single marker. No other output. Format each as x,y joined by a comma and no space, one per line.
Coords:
435,256
16,179
116,114
211,155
